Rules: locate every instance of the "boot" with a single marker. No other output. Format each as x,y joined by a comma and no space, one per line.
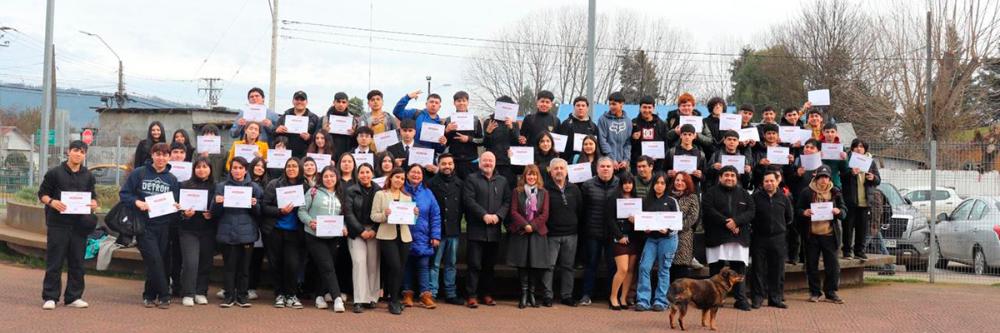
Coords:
531,294
525,290
408,298
427,300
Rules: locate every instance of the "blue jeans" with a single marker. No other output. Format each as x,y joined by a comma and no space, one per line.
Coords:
419,268
447,251
657,250
597,248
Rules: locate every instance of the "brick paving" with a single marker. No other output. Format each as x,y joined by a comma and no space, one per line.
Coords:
882,307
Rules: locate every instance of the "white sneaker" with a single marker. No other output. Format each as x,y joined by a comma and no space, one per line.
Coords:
187,301
79,304
221,294
338,305
696,265
49,305
327,297
321,303
293,302
252,294
200,300
279,301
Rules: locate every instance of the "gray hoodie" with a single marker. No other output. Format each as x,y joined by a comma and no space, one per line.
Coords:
615,136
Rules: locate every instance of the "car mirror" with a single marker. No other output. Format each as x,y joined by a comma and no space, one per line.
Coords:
908,202
942,217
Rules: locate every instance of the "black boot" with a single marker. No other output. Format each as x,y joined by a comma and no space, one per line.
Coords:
531,294
523,277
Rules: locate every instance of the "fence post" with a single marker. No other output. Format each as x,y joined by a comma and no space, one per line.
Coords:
933,257
31,163
118,170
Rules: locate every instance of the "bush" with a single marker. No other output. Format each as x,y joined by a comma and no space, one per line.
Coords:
107,196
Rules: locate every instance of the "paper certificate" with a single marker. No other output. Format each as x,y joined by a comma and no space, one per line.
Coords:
380,181
237,196
627,207
255,112
730,122
431,132
522,155
737,161
161,204
654,149
805,135
276,158
402,213
860,161
819,97
578,141
749,134
695,121
831,151
811,162
290,195
209,144
76,202
297,124
181,170
247,152
341,124
579,172
464,120
559,142
329,225
421,156
789,134
821,211
652,221
194,199
685,163
504,111
362,158
777,155
322,161
385,139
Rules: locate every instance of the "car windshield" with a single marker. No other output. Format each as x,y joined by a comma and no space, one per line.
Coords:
923,195
891,195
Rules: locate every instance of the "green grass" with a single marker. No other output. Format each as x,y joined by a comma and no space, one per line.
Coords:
9,256
995,285
107,196
876,280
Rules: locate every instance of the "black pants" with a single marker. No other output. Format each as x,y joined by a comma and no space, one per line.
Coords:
767,273
827,247
324,252
856,230
793,236
482,257
394,254
256,265
284,257
464,169
197,249
172,260
739,290
508,172
64,244
153,247
679,272
237,269
344,264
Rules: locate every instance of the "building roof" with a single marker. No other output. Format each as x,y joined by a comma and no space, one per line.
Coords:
168,110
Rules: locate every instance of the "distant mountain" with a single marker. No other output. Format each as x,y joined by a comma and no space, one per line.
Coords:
79,103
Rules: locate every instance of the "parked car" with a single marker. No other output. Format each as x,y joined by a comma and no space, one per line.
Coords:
105,174
971,234
947,199
905,233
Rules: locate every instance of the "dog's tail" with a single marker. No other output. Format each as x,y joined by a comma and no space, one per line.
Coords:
677,293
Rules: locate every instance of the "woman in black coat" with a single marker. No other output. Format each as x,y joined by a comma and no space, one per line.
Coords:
154,135
181,136
527,246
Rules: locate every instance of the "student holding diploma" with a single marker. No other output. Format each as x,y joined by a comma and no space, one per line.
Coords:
660,248
323,220
251,136
283,235
393,239
627,243
68,221
690,207
362,244
822,237
197,234
237,230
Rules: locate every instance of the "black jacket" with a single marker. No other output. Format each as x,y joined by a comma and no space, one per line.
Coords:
269,207
804,201
653,130
448,192
565,209
696,152
58,179
485,196
296,144
569,128
666,203
397,151
596,194
465,151
500,139
358,209
850,183
198,222
341,143
536,123
719,203
772,214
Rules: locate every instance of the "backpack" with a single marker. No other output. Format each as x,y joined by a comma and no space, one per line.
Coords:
125,220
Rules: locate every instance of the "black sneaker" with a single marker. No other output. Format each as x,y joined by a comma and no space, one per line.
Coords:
148,303
755,304
780,305
395,308
547,302
164,305
243,302
228,302
357,308
742,305
454,301
368,305
861,256
658,308
568,302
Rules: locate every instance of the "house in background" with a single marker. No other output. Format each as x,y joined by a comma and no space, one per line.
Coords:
15,147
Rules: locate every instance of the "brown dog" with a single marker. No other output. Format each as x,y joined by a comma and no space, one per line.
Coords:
707,295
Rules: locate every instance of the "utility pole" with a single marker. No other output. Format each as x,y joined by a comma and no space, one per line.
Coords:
928,129
48,90
4,43
591,49
274,55
428,85
120,96
212,90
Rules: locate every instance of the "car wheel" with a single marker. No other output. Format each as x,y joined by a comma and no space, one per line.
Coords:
941,264
978,262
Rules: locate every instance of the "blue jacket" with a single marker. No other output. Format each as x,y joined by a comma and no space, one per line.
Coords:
266,132
144,182
615,136
236,225
420,116
428,224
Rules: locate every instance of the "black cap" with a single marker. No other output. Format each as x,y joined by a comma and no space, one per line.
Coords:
77,144
769,128
338,96
407,124
300,95
823,171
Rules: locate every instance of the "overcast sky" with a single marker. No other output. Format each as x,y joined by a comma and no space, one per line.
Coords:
167,45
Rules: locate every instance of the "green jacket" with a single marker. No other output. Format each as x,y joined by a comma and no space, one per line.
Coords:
319,201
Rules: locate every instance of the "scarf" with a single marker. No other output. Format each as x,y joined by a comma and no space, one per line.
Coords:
823,194
531,204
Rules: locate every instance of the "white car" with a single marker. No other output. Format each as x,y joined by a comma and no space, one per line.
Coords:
946,199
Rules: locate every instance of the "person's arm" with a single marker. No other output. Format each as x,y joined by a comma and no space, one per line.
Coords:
477,133
255,210
627,146
517,221
269,198
303,212
743,217
354,226
788,212
379,204
877,180
602,138
435,219
505,204
472,206
802,202
711,214
48,189
611,220
232,153
236,131
127,192
400,110
690,211
839,203
543,216
138,159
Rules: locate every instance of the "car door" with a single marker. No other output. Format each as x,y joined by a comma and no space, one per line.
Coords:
968,234
947,232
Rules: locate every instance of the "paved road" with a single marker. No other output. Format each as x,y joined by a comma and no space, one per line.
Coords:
883,307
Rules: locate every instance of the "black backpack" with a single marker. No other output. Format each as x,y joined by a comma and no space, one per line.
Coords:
125,220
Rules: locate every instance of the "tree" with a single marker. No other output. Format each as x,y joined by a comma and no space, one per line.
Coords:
770,77
355,106
27,120
638,77
984,94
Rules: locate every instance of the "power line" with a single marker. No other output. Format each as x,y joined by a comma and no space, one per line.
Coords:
219,41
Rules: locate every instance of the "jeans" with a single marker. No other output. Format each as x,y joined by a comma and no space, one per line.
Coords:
562,252
855,230
197,249
153,247
482,257
394,253
417,268
661,251
64,244
236,265
596,249
827,247
324,252
876,244
447,252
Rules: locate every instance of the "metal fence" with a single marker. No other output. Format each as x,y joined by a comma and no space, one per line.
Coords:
15,173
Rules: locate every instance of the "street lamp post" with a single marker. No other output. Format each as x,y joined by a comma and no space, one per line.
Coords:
120,96
428,84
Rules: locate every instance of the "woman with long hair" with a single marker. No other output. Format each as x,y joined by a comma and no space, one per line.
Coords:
258,175
660,248
545,151
154,134
346,170
590,152
384,163
321,144
181,136
309,170
362,243
251,136
236,232
197,238
325,199
527,245
282,234
393,239
627,244
682,189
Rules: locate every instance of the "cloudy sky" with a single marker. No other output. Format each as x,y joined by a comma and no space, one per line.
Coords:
167,45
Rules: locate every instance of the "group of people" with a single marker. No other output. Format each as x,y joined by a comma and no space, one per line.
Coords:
754,216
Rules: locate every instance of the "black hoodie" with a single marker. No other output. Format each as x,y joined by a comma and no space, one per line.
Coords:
536,123
447,190
198,222
341,143
652,130
569,128
565,209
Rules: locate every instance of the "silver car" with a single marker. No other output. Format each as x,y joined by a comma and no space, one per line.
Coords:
971,234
